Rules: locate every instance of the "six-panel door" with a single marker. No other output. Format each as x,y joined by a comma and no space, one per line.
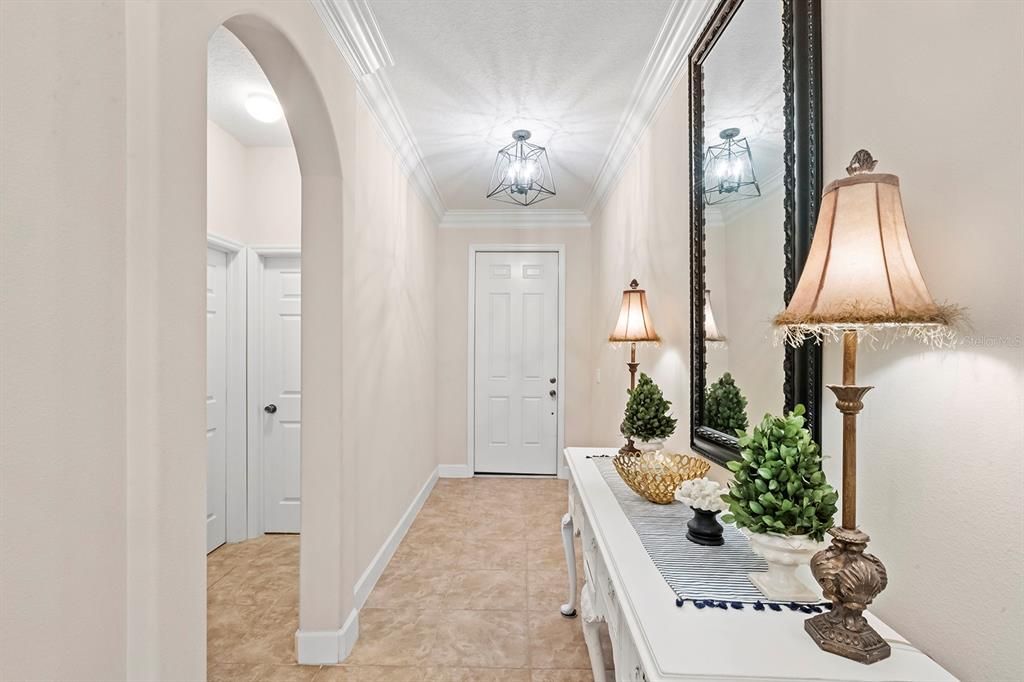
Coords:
282,395
516,363
216,389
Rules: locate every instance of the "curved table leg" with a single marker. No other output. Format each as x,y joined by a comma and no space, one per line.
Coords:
592,636
569,610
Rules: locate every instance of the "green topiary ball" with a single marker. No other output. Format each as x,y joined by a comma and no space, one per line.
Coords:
725,408
778,485
647,412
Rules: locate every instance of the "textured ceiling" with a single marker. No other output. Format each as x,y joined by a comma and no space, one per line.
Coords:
743,85
233,75
468,73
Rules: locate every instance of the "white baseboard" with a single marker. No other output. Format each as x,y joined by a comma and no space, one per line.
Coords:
328,647
373,572
454,471
348,635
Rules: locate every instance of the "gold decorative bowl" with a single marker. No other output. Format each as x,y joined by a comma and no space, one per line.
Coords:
656,475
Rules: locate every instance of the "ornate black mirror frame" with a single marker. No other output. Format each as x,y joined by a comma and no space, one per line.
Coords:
801,38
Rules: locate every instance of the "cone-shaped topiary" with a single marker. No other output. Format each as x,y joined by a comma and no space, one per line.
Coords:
647,416
778,486
725,408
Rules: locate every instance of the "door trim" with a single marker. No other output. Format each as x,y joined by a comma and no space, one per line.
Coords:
256,259
236,435
474,249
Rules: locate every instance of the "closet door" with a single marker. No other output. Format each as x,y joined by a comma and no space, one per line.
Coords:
282,396
216,388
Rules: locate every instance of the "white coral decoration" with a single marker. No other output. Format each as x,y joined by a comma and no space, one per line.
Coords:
702,493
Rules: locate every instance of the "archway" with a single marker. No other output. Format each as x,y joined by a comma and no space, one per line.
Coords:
322,601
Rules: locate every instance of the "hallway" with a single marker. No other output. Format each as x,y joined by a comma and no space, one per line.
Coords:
472,595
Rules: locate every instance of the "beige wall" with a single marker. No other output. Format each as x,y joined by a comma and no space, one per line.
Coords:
275,193
453,320
253,194
103,343
943,430
942,433
226,184
63,456
642,232
753,294
389,337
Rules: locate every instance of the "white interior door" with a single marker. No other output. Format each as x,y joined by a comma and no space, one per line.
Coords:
282,397
216,389
516,363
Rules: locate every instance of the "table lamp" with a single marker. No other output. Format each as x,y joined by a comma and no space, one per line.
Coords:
633,326
860,277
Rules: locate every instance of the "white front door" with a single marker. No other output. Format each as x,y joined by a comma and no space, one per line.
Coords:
282,397
516,363
216,389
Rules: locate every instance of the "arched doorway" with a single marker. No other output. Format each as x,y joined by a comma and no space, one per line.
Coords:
321,599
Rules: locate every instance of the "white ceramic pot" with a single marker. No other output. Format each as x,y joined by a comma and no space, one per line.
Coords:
784,554
649,445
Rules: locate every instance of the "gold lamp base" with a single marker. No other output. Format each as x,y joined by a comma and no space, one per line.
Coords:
851,579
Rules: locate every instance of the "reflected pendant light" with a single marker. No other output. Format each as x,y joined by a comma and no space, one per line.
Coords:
521,173
729,170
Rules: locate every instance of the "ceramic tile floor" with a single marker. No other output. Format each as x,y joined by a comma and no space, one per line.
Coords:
471,595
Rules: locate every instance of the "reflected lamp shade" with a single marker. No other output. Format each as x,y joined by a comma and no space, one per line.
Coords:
634,324
860,272
711,332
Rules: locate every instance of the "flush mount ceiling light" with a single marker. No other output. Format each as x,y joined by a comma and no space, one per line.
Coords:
263,108
729,170
521,173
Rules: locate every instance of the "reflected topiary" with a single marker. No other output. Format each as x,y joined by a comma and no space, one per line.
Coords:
725,408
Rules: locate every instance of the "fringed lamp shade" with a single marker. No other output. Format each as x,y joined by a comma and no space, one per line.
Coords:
634,324
711,332
861,273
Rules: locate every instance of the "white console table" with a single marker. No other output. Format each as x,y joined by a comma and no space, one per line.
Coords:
655,640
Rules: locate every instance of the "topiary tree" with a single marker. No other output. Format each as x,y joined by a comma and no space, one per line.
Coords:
778,486
725,408
647,412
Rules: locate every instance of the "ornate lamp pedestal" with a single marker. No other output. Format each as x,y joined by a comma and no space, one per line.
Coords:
849,577
857,578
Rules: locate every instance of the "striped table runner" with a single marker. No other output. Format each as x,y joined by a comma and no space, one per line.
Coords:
707,576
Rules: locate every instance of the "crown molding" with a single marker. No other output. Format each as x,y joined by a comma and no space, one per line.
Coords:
523,219
354,30
353,27
679,32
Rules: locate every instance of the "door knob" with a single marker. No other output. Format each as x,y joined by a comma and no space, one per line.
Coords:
270,409
552,380
552,393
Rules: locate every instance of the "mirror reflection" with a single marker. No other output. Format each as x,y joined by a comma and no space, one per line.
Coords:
744,215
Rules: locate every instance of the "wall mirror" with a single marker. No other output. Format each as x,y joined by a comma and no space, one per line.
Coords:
755,130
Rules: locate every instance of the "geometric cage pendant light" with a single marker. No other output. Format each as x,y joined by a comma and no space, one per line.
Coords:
729,170
521,174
